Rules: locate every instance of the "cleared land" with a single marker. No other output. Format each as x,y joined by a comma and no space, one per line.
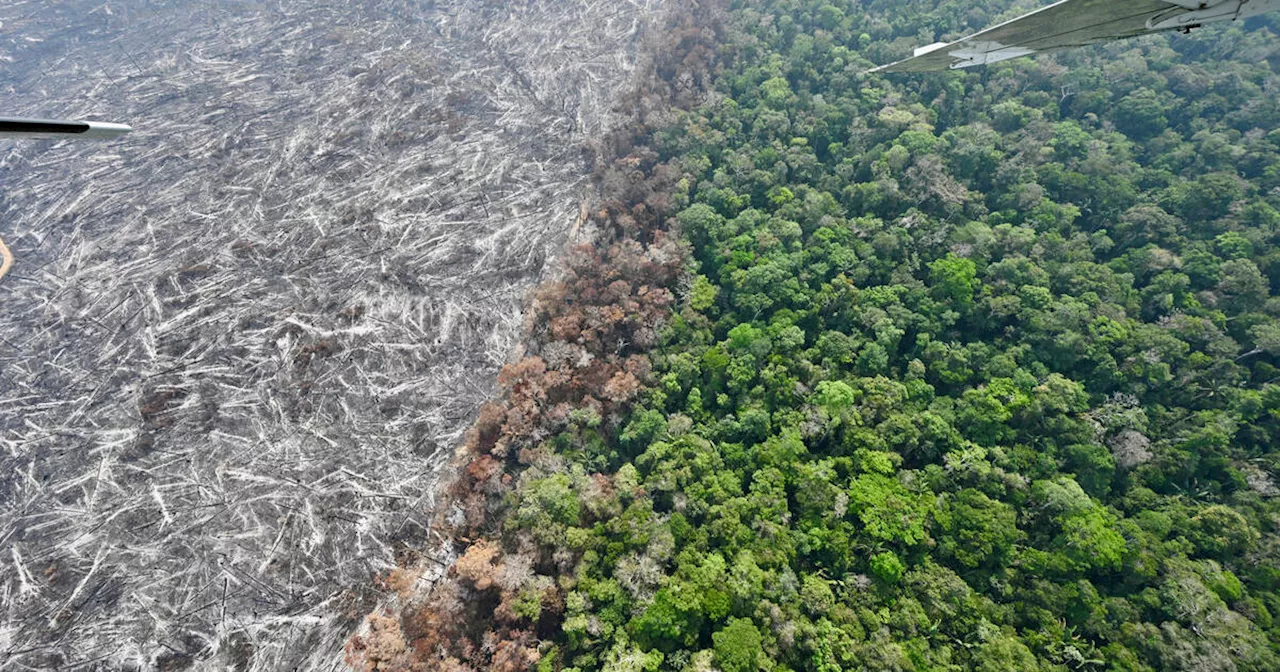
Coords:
238,346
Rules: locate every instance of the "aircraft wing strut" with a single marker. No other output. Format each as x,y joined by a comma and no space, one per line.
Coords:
14,127
1075,23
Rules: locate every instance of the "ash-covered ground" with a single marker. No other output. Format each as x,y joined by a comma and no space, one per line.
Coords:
238,346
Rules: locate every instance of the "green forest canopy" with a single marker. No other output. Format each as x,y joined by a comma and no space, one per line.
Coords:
973,371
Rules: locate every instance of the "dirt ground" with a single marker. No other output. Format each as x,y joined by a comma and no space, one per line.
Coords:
238,347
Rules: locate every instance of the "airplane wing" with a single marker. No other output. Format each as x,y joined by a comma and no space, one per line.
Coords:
13,127
1075,23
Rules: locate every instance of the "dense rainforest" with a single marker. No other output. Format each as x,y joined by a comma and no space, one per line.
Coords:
967,371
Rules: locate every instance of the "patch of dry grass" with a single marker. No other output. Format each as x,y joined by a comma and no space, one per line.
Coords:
237,345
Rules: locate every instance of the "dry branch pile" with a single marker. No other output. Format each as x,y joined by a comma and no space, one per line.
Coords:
234,344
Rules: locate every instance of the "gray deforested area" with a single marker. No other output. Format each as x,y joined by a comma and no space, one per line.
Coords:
238,346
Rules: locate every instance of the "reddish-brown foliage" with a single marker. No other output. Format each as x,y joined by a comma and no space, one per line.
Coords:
621,387
477,567
514,655
382,649
400,580
483,434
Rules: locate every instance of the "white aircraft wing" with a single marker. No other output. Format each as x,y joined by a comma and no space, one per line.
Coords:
13,127
1076,23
